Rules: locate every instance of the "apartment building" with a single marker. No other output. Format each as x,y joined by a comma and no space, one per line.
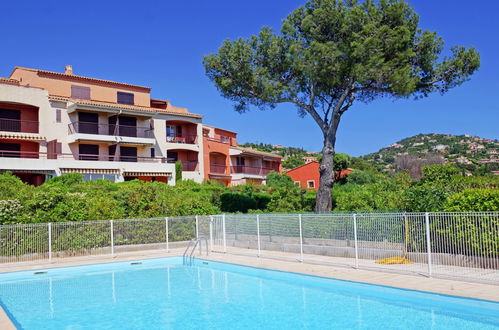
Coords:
225,161
53,123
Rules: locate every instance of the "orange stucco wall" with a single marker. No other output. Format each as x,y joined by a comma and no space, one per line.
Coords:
61,85
214,147
305,173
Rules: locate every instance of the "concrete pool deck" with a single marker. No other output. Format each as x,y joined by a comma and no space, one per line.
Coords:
396,280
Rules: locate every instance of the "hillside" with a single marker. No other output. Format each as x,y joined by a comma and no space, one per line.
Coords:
467,152
470,153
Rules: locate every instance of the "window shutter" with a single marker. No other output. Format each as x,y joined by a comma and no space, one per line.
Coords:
58,116
80,92
58,148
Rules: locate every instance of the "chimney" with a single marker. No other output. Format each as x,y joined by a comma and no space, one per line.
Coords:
69,69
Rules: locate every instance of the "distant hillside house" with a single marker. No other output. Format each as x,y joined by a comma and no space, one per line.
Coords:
307,176
440,147
309,159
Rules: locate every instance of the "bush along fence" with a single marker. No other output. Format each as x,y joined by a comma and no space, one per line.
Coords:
451,245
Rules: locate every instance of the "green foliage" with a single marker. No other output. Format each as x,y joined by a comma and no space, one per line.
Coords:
360,177
474,200
438,174
11,186
276,180
178,171
292,162
10,210
237,203
341,161
425,198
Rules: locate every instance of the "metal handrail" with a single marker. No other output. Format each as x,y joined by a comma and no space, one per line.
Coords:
188,257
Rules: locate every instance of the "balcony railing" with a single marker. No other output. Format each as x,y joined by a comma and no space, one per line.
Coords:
14,125
188,139
110,129
218,169
218,139
187,166
77,156
242,169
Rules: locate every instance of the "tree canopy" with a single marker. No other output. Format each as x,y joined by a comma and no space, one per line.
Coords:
330,53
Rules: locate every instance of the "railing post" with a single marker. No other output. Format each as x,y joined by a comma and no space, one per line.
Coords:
428,242
167,236
211,233
50,241
224,234
301,238
258,232
112,237
355,241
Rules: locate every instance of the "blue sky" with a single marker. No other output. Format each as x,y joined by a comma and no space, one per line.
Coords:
160,44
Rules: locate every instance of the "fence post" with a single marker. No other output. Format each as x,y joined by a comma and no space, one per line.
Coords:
428,245
224,235
50,241
211,233
112,237
355,241
258,232
197,227
167,235
301,238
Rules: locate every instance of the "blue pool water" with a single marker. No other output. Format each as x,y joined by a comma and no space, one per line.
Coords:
164,294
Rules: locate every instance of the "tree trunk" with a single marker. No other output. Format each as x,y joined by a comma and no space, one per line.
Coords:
323,202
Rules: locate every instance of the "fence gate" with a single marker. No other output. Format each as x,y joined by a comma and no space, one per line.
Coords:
217,232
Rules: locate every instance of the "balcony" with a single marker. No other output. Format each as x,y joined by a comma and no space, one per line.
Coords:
253,170
87,131
15,125
109,129
83,157
184,139
187,166
217,169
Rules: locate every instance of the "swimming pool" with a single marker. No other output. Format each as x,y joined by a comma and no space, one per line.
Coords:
164,294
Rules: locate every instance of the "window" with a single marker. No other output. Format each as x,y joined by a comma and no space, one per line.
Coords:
153,153
297,183
170,131
311,184
10,120
80,92
10,150
172,156
58,116
125,98
88,152
224,139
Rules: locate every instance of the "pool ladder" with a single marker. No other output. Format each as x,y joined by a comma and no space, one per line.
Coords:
188,255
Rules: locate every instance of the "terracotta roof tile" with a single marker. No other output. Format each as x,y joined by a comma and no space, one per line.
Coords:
112,105
75,77
256,152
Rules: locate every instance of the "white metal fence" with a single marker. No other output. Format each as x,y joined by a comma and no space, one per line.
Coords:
449,245
453,245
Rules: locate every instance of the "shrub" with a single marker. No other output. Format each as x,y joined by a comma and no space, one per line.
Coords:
178,171
232,202
473,200
9,211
